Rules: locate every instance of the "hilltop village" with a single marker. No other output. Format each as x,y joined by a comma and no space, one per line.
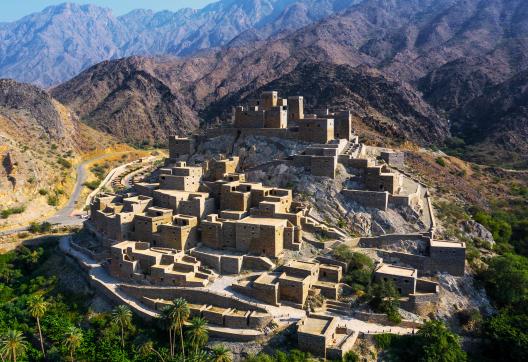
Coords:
254,258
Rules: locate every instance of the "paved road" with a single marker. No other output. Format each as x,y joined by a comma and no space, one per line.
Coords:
66,215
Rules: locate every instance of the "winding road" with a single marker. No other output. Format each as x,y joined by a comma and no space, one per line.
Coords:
66,216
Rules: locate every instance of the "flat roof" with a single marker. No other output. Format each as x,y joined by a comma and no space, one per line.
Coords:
447,244
305,265
315,325
267,278
396,270
264,221
180,192
152,185
294,278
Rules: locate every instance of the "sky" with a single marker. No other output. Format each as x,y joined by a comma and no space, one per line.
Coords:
11,10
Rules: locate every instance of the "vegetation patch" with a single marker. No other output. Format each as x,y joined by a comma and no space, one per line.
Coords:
5,213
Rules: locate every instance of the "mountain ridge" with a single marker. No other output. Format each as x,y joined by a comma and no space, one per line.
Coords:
57,43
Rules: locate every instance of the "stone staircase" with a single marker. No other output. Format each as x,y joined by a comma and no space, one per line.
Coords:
351,150
337,307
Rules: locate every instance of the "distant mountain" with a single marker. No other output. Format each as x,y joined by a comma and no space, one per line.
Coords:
52,46
446,52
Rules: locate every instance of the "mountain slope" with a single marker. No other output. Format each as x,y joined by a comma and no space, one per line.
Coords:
59,42
451,50
39,140
126,99
384,107
497,122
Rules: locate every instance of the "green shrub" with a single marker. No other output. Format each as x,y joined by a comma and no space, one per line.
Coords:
64,162
440,161
35,227
4,214
92,185
350,356
384,340
394,316
43,192
53,200
506,280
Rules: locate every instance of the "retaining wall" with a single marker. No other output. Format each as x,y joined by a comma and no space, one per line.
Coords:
373,199
195,296
382,319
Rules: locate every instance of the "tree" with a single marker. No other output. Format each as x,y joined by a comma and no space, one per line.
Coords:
147,347
350,357
506,280
221,354
179,313
166,320
197,333
12,345
37,308
440,344
384,298
72,340
507,334
433,343
122,316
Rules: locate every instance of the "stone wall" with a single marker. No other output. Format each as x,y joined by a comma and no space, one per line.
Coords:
382,319
373,199
268,295
382,241
393,158
194,295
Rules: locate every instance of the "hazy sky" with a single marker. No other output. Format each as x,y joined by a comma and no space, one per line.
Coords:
12,10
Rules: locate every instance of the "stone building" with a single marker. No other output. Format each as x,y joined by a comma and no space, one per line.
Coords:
181,177
137,261
319,130
447,256
403,278
180,147
293,283
323,337
415,292
321,159
270,112
393,158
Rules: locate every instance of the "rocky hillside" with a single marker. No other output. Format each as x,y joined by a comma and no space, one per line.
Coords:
383,108
40,139
451,51
497,121
126,99
54,45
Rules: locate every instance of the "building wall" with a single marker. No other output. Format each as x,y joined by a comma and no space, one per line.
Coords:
316,130
394,158
450,260
295,108
343,125
376,180
276,117
323,166
251,117
179,147
294,291
404,285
